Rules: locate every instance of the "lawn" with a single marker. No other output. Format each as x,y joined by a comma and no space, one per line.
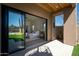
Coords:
17,36
76,50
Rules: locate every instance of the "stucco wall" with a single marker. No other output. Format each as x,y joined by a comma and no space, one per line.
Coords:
36,10
70,28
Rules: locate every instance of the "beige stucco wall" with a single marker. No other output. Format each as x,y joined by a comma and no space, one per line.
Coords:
36,10
70,28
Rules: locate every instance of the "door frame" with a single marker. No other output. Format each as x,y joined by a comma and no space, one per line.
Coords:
5,30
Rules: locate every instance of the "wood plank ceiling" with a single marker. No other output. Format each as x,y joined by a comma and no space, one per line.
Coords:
54,7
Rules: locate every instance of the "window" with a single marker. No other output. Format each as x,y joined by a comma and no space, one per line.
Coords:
59,20
78,14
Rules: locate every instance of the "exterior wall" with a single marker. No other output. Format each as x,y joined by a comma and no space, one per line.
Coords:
53,28
36,10
70,28
49,29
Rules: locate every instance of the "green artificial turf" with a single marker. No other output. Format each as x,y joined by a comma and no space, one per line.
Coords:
76,50
16,37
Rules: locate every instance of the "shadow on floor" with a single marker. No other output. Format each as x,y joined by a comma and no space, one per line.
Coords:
40,51
41,54
29,46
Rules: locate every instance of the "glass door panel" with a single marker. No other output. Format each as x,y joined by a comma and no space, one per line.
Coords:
16,30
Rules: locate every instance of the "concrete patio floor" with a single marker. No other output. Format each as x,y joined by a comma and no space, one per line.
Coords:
60,49
55,48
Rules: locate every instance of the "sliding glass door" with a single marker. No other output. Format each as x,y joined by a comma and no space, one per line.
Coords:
12,30
35,30
16,30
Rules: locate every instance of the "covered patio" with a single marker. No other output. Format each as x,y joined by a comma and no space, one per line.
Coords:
60,39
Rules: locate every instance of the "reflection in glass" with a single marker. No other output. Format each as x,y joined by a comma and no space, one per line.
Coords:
35,29
78,14
16,31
